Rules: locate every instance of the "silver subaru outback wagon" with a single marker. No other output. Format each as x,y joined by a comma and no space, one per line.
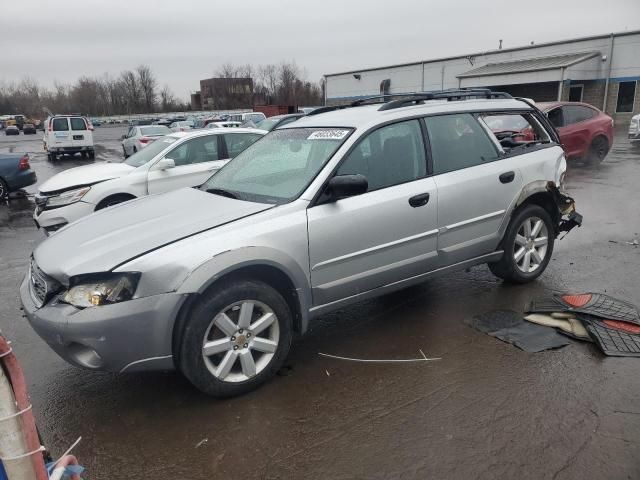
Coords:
340,206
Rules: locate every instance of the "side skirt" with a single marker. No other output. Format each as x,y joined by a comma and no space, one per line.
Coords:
407,282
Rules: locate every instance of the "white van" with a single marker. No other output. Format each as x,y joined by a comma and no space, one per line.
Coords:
255,117
68,134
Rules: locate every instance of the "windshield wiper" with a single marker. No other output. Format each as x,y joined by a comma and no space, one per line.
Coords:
222,192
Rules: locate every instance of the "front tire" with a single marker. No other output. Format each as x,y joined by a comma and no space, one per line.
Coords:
4,190
235,338
527,244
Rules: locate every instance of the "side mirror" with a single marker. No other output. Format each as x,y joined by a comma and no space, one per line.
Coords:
123,137
343,186
165,164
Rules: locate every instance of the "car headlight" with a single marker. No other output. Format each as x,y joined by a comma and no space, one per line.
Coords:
67,198
97,289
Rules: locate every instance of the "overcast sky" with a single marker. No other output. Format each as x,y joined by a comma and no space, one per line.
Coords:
186,40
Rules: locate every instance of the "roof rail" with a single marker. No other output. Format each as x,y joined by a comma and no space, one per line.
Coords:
416,98
359,102
449,95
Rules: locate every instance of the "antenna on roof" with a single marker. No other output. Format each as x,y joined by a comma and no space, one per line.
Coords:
500,44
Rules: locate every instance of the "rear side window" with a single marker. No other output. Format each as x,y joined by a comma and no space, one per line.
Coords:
514,130
237,142
577,114
388,156
458,141
60,125
78,123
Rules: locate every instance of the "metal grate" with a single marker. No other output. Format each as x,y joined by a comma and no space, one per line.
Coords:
41,285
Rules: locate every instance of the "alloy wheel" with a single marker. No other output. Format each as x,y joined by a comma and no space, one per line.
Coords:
241,341
530,247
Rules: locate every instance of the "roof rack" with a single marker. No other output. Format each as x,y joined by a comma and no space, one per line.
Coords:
417,98
362,101
449,95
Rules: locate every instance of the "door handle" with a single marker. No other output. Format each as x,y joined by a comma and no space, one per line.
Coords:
419,200
507,177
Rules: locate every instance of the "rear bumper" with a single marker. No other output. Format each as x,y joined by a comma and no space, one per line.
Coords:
129,336
21,180
86,148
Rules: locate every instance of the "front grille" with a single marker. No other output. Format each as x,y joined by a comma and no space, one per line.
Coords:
41,285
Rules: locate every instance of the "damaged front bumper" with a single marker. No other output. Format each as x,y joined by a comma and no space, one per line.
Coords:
568,217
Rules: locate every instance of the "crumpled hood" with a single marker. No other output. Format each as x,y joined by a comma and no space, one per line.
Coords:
85,175
103,240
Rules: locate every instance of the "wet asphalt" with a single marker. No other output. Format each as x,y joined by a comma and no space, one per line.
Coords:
486,410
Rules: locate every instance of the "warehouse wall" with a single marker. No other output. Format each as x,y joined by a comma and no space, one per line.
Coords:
442,74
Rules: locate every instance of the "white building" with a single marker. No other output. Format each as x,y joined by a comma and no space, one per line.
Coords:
602,70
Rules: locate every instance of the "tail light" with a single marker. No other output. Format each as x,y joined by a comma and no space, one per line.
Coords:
145,139
50,126
24,163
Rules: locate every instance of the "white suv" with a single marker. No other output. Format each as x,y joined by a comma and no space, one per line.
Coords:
332,209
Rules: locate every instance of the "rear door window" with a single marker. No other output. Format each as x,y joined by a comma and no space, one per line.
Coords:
60,125
458,141
78,123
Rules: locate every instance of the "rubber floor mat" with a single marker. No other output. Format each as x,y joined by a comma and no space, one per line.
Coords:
510,327
598,304
613,341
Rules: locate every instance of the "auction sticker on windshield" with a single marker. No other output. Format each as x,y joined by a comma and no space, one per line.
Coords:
328,135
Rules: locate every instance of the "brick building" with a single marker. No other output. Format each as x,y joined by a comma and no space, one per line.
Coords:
602,70
222,93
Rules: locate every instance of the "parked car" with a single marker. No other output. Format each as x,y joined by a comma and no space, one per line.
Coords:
66,134
15,173
586,133
163,121
307,110
11,130
272,123
181,126
181,159
225,124
29,129
96,122
255,117
137,138
634,130
333,209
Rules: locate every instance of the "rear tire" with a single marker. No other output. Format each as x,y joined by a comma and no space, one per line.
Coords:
52,157
221,354
527,244
92,154
124,152
598,151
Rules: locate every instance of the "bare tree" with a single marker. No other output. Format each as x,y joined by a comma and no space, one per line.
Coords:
147,84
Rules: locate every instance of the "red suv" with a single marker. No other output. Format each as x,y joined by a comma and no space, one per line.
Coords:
586,133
